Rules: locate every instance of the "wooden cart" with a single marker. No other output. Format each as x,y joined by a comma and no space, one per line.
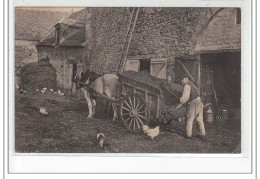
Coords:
142,103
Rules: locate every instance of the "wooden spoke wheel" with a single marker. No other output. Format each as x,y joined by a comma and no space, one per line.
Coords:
134,112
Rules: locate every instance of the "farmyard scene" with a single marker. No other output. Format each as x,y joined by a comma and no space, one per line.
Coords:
128,80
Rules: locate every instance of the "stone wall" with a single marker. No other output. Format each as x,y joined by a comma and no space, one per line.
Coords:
105,35
167,32
223,33
59,59
25,52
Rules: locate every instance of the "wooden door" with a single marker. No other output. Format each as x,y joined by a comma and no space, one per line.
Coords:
158,67
76,93
132,65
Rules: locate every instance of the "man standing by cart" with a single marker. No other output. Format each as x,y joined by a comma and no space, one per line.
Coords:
191,96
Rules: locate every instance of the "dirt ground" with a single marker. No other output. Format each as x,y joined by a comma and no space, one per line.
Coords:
66,129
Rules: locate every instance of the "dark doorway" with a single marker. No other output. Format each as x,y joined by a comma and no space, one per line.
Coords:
226,69
145,65
74,71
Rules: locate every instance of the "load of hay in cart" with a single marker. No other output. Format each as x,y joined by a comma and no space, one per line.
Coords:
148,99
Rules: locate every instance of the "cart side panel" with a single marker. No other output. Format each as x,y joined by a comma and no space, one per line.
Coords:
128,89
152,103
151,99
140,92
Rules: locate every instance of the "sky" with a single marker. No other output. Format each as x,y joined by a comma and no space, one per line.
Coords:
55,9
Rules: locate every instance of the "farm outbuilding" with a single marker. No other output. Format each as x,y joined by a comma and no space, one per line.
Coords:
150,50
30,27
166,42
65,46
216,65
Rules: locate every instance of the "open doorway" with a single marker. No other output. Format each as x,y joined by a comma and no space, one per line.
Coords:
145,65
225,69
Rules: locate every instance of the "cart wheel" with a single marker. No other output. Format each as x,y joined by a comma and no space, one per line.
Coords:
134,112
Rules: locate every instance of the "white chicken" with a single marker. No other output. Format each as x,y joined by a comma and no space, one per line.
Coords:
51,90
37,90
62,94
151,132
59,92
100,139
44,89
43,111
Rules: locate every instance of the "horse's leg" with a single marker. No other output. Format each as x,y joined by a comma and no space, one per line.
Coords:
94,106
107,92
90,112
115,110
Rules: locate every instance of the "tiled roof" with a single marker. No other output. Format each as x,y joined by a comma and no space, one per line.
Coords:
75,38
49,40
72,22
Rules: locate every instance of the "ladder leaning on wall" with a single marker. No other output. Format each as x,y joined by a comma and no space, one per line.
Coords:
128,38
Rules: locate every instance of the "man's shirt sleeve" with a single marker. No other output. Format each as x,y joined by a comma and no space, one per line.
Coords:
186,94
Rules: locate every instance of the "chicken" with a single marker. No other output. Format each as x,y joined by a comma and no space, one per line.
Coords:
37,90
151,132
62,94
17,86
100,139
21,90
43,111
44,89
51,90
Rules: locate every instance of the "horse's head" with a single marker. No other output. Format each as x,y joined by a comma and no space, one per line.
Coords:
83,79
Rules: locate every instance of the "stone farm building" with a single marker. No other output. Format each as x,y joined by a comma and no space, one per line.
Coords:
205,41
30,27
65,46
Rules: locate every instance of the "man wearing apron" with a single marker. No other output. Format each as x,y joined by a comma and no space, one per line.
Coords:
191,96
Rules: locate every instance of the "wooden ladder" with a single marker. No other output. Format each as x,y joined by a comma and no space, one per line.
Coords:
128,38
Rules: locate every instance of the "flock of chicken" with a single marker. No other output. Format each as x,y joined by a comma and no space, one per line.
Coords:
43,90
43,111
152,133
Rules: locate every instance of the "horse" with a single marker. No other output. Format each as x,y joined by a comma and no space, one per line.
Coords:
94,85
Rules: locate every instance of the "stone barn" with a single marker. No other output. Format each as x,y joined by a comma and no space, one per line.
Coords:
65,47
161,35
216,65
203,43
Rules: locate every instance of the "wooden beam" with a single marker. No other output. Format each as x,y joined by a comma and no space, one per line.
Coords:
188,73
158,107
128,41
199,74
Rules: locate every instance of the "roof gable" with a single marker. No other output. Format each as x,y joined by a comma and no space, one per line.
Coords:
72,33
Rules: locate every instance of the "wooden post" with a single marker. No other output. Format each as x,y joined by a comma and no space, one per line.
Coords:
70,76
199,74
158,107
146,100
146,96
188,73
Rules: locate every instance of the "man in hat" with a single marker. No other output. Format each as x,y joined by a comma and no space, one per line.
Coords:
195,109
